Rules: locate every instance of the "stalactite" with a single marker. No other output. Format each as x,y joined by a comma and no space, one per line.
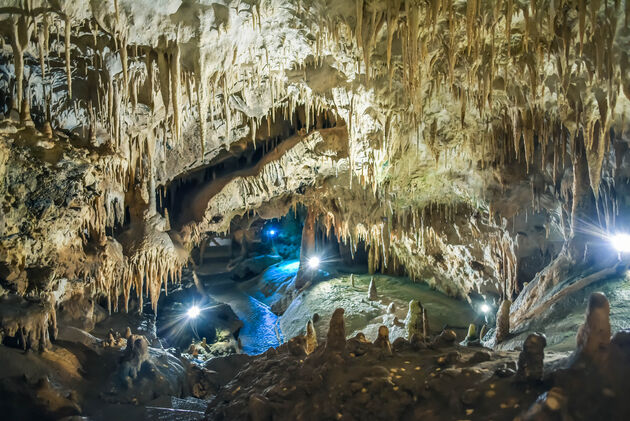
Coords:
18,45
163,69
175,73
226,110
67,41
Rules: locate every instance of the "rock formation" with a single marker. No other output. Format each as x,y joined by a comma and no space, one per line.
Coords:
503,320
311,337
372,294
336,339
413,321
530,360
479,148
593,337
382,341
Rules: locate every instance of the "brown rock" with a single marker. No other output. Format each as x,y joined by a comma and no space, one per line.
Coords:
503,320
297,346
530,360
593,338
259,408
426,330
372,294
391,308
336,339
311,337
382,341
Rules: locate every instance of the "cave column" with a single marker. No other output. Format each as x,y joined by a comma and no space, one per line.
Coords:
307,249
583,207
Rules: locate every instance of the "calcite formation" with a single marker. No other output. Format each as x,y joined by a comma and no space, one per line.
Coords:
422,108
477,146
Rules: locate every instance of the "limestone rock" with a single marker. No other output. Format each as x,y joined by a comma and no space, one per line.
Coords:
382,341
593,338
358,345
413,321
259,408
311,337
391,308
503,320
372,294
136,353
530,360
297,346
336,339
446,338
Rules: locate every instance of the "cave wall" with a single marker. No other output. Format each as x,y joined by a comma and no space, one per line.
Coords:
457,132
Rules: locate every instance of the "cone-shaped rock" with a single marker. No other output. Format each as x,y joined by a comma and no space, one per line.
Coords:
336,339
503,320
372,294
593,338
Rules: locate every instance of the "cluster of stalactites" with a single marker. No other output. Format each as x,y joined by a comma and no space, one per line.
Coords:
386,230
34,325
474,49
147,272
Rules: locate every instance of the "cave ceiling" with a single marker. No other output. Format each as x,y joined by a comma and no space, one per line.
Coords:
442,135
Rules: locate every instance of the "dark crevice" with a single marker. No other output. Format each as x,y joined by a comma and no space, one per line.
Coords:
241,155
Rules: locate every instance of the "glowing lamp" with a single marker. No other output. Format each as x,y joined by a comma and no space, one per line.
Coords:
621,242
272,232
193,312
314,262
485,308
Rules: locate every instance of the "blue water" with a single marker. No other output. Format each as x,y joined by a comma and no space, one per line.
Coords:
261,329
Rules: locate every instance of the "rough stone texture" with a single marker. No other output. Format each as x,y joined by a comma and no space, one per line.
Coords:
413,321
382,341
593,338
372,294
336,338
416,384
530,360
469,144
503,320
311,337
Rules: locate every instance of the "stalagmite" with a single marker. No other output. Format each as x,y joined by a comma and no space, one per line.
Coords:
336,339
391,308
503,321
311,337
413,321
530,360
382,341
372,294
593,337
426,330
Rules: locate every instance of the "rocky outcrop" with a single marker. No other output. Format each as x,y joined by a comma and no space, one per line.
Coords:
593,337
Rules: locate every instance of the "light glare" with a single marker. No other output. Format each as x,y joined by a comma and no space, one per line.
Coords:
193,312
621,242
313,262
485,308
